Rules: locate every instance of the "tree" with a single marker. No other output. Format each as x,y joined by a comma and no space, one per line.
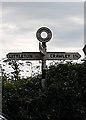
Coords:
15,66
63,99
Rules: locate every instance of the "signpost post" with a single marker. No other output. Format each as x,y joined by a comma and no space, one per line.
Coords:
42,49
84,50
43,54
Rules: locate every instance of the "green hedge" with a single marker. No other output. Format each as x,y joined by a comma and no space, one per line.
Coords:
64,97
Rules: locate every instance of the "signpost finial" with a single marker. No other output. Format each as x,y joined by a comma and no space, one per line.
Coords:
39,34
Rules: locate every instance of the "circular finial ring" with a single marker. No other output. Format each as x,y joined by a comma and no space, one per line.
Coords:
39,34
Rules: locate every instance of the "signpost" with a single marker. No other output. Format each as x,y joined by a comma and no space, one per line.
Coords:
84,49
63,56
43,54
39,56
24,56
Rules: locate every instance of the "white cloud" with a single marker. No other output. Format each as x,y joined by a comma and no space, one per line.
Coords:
21,21
77,20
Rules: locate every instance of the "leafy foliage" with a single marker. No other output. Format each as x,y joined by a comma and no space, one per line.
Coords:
64,97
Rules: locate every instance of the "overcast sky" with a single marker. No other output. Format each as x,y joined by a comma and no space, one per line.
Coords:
21,20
